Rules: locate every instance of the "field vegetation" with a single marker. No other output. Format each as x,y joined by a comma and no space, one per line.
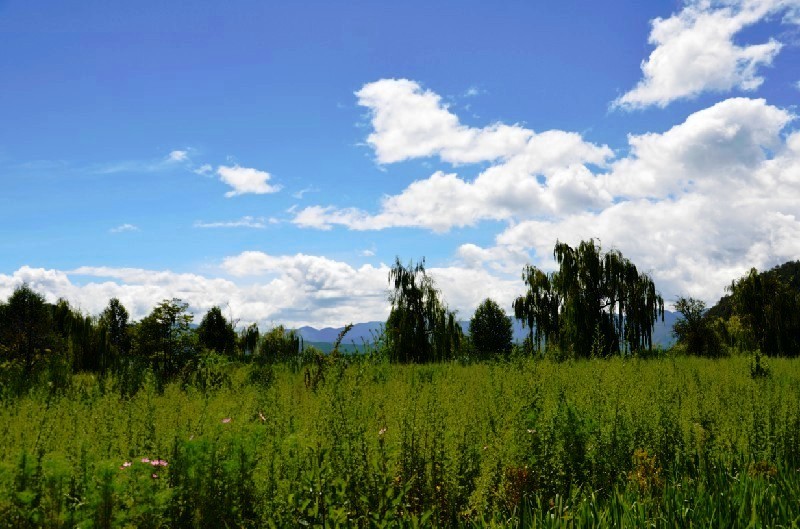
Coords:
160,423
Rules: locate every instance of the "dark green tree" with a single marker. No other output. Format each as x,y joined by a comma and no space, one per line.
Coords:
216,333
115,320
770,309
164,338
26,329
694,330
595,304
490,330
85,341
420,328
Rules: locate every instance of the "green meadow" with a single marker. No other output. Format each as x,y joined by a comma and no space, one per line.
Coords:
357,442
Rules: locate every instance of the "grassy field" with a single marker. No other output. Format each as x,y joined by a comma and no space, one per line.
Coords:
664,443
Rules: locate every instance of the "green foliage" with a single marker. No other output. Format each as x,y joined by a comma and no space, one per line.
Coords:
420,328
216,333
278,345
595,304
694,331
770,309
164,338
26,330
115,319
490,330
630,443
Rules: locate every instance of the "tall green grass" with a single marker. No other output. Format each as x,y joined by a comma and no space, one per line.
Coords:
663,443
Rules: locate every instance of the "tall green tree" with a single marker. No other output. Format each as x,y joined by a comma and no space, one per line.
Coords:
770,309
164,337
26,328
115,319
85,340
490,330
694,330
216,333
420,328
595,304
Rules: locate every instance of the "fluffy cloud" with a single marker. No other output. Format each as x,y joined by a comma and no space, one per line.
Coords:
696,205
294,290
246,180
716,149
410,122
695,51
700,204
533,173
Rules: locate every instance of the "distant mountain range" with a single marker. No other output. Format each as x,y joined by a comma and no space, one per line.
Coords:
366,332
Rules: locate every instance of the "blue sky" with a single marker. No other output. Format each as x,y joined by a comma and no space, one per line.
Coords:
274,159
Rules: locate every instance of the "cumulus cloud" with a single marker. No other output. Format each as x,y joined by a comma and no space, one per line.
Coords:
695,52
294,290
244,222
246,180
532,174
410,122
697,205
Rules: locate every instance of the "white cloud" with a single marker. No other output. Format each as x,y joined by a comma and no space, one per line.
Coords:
723,144
410,122
178,156
534,174
244,222
299,194
204,169
695,52
123,228
294,290
697,205
246,180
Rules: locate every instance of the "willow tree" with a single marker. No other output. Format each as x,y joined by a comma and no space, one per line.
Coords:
420,327
595,304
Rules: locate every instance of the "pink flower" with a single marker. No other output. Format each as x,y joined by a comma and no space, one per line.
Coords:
158,463
154,476
226,420
126,464
145,460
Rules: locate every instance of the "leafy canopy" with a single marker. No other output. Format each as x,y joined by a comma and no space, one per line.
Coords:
595,304
490,330
420,327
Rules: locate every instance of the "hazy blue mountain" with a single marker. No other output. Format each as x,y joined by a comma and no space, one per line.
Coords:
662,332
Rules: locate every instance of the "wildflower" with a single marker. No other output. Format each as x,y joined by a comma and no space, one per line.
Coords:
145,460
158,463
126,464
154,476
382,431
226,420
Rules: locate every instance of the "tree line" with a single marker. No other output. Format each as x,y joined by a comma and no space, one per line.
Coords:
596,304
